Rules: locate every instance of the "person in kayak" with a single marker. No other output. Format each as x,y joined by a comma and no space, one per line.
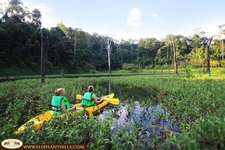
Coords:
89,98
60,104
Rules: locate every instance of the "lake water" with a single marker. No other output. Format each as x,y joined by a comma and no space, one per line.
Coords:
134,110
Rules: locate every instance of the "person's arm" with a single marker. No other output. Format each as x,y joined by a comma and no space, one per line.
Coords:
95,99
62,107
64,110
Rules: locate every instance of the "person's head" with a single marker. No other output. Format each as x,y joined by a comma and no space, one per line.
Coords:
59,91
90,88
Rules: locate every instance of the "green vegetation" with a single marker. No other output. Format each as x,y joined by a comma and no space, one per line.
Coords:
196,104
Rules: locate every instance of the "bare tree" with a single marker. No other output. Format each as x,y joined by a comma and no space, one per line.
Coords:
222,50
76,33
174,55
109,48
74,52
207,52
36,18
42,58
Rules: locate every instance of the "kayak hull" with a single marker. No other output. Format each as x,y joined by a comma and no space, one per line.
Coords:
90,110
93,109
37,122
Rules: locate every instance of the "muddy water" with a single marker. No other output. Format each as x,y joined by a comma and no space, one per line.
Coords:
153,120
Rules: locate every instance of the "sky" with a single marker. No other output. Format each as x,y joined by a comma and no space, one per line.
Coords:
133,18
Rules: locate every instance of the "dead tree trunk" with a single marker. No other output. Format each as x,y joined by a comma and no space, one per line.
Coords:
207,47
222,50
74,52
42,58
102,44
174,55
167,54
62,71
109,53
185,65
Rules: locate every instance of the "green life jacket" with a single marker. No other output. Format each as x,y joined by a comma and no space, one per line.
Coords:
56,104
87,99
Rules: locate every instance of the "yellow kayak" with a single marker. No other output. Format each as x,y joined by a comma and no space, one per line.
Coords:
37,122
93,109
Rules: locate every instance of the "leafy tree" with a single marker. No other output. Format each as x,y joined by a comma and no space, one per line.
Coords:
217,50
60,49
36,17
72,50
16,12
198,52
148,49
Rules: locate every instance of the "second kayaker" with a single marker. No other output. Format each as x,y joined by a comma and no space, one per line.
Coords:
60,104
89,98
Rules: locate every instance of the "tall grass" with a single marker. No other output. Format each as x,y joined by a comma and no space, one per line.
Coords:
197,105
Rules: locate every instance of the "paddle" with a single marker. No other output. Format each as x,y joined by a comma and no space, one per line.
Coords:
79,97
114,101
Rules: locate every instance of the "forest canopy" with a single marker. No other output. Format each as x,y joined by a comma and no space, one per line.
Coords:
73,50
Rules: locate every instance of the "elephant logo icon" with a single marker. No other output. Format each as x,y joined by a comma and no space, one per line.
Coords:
12,143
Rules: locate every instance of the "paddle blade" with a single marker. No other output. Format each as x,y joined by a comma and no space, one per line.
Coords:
108,96
114,101
79,97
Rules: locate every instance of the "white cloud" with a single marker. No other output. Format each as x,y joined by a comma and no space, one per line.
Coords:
3,5
48,17
40,6
44,8
210,27
134,18
128,35
155,15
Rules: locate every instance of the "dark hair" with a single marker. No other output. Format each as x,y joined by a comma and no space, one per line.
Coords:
90,88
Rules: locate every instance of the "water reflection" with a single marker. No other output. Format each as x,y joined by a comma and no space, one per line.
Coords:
125,93
109,87
153,120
